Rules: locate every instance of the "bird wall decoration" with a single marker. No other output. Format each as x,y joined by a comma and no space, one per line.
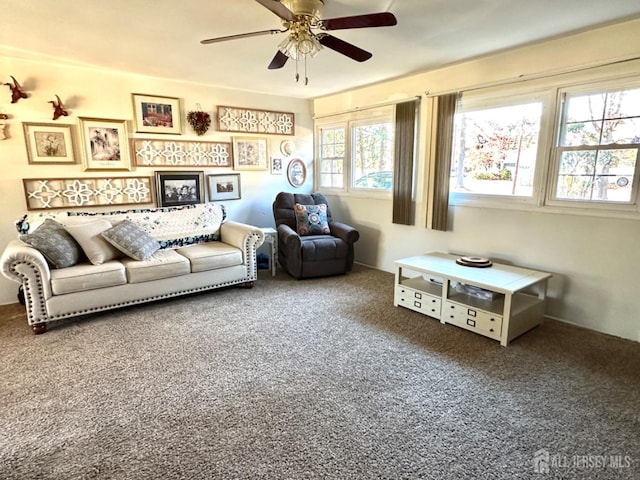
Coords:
16,90
58,108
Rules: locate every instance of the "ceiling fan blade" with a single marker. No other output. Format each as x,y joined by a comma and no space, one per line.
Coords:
278,61
384,19
240,35
279,9
345,48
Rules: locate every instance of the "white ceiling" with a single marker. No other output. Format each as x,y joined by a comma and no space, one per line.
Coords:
162,37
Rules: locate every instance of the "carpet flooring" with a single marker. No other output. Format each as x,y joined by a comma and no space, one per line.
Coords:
313,379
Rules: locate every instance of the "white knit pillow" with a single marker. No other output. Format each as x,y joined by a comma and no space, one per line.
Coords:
88,235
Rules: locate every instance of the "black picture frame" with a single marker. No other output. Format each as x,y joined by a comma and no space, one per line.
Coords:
179,188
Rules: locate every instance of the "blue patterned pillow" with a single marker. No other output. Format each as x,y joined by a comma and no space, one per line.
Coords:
54,242
131,240
311,219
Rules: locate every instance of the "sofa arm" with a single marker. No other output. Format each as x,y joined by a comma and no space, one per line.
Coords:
28,267
241,235
345,232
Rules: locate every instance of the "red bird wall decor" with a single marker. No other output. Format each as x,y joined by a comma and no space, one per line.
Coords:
16,90
58,108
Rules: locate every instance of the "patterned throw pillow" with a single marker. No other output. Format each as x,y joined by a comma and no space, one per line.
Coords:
131,240
311,219
53,241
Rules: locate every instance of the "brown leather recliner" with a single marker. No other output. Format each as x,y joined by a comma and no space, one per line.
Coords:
308,256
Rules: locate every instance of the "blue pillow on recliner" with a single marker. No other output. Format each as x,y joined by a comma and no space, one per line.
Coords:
311,219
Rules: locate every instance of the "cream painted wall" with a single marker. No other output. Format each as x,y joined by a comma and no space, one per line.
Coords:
107,94
594,260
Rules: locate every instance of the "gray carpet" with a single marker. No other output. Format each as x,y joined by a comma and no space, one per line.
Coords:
314,379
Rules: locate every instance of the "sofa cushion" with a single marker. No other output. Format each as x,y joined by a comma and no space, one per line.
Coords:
162,264
131,240
211,255
55,243
96,248
87,277
311,219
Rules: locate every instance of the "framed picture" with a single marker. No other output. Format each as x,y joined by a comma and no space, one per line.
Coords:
154,114
296,172
224,187
249,153
276,166
179,188
105,144
49,143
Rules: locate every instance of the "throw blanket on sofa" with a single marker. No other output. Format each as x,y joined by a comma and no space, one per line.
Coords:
172,227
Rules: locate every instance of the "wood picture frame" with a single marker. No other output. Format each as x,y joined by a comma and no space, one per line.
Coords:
156,114
224,186
105,144
50,143
250,153
179,188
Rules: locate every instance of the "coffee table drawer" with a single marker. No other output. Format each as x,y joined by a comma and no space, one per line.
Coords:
487,323
419,301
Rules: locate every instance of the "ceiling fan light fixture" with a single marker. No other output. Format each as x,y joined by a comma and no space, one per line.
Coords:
300,45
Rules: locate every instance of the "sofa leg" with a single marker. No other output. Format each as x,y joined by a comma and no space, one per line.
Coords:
248,284
39,328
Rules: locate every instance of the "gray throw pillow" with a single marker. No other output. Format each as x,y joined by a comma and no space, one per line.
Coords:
55,244
131,240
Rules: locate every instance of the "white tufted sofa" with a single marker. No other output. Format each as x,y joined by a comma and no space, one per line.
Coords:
195,255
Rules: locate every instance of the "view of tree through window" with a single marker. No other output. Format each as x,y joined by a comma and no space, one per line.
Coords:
372,159
598,147
495,150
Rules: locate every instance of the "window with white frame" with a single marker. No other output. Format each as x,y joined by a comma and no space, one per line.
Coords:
372,154
596,156
356,154
509,152
496,146
332,156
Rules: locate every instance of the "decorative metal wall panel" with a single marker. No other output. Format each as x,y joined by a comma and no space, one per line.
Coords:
247,120
178,153
51,193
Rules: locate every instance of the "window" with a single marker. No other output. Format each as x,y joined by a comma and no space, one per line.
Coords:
598,144
579,153
332,150
356,153
495,149
372,155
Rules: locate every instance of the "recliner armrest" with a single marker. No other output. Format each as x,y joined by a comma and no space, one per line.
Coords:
288,237
344,232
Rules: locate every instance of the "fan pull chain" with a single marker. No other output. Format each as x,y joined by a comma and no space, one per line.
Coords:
297,74
306,79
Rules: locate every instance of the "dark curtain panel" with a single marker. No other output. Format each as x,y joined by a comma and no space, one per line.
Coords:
405,135
444,138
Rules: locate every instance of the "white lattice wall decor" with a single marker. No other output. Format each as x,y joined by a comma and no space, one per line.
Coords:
51,193
178,153
247,120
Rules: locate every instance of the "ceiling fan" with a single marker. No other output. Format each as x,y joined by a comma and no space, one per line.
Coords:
300,18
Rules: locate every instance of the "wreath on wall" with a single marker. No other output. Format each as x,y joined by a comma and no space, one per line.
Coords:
199,120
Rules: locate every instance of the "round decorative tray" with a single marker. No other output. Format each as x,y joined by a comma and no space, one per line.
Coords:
478,262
